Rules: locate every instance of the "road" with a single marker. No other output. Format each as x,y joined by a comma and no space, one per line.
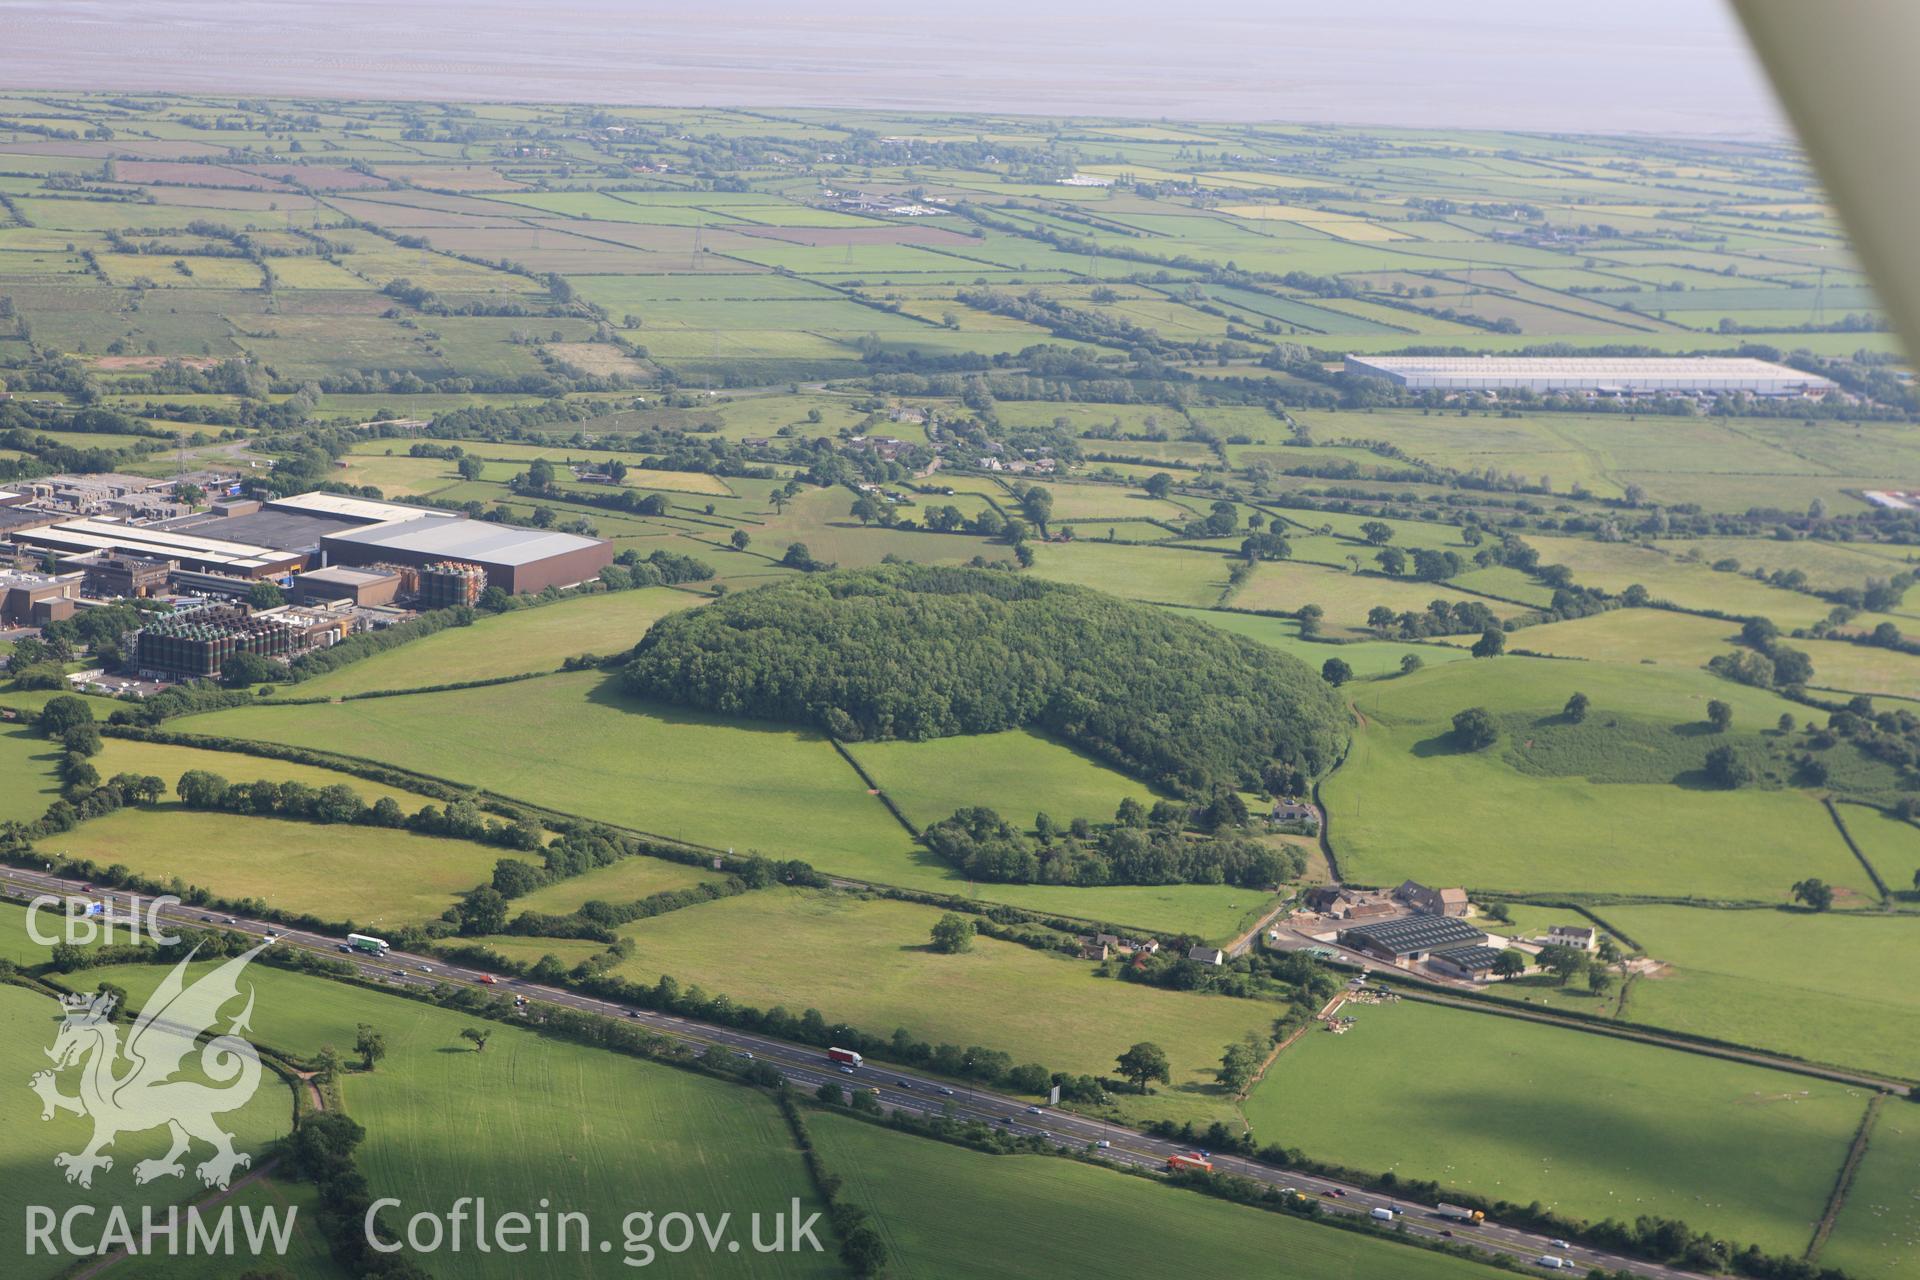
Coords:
897,1089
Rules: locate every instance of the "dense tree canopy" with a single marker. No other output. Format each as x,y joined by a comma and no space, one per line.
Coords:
908,651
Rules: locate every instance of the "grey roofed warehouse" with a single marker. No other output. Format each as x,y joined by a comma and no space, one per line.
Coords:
1599,375
516,559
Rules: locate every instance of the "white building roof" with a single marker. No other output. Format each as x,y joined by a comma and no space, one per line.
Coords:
481,541
339,504
1641,373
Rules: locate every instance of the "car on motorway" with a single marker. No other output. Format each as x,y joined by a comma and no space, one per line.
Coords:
207,919
744,1054
945,1092
487,980
1447,1232
1103,1144
846,1071
426,968
271,937
399,973
341,946
230,920
1036,1111
633,1013
1334,1193
1005,1120
1042,1133
1559,1244
903,1082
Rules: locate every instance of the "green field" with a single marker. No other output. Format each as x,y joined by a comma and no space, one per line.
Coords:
1828,988
167,762
627,880
679,773
1019,773
1366,657
537,639
587,1130
1407,802
368,876
868,963
1589,1126
944,1214
28,783
30,1021
1877,1234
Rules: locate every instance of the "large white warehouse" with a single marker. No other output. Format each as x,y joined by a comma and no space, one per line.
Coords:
1635,376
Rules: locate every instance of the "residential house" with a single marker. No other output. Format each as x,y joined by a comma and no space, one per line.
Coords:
1432,902
1207,955
1581,937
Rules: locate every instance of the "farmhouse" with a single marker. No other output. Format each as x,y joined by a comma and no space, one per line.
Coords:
1409,940
1341,903
1636,376
1581,937
1432,902
1207,955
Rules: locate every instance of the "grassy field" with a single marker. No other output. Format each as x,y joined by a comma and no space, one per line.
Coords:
1347,597
1590,1127
1161,575
1878,1232
29,1020
370,876
168,762
537,639
1829,988
1407,802
723,783
624,881
1891,845
1366,657
28,783
944,1213
1020,773
583,1129
868,963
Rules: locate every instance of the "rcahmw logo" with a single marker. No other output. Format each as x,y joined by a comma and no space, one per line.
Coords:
133,1087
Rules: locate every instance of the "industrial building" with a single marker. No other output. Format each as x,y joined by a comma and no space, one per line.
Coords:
194,644
365,587
35,599
111,577
1599,376
515,560
1411,939
282,536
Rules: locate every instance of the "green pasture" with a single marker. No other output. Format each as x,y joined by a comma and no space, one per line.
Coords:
1877,1234
868,962
1587,1126
1019,772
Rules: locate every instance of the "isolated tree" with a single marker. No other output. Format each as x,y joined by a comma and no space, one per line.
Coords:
1786,722
1815,893
1335,672
326,1064
1410,663
1475,729
952,934
1599,980
1391,560
1159,484
477,1037
540,475
484,911
865,509
1576,708
1719,715
62,713
1309,616
740,539
1143,1064
369,1044
1510,963
1377,532
472,468
1491,644
1036,504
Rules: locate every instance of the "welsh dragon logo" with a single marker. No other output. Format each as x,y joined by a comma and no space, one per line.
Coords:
143,1094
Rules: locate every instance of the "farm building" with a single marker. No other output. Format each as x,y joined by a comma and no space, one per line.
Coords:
1472,963
1432,902
1412,938
1637,376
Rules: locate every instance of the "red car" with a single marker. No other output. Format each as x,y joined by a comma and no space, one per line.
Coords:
488,979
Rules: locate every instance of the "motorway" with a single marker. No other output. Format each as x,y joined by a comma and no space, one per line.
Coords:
897,1089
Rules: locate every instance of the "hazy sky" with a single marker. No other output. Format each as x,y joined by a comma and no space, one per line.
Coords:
1666,66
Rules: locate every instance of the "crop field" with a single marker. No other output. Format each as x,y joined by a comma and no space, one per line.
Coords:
943,1213
29,1019
1878,1231
1588,1126
536,639
867,962
1822,987
674,1139
301,867
1155,574
1566,832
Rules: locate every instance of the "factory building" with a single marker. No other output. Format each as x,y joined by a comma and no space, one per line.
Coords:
35,599
1597,376
194,644
364,587
514,559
